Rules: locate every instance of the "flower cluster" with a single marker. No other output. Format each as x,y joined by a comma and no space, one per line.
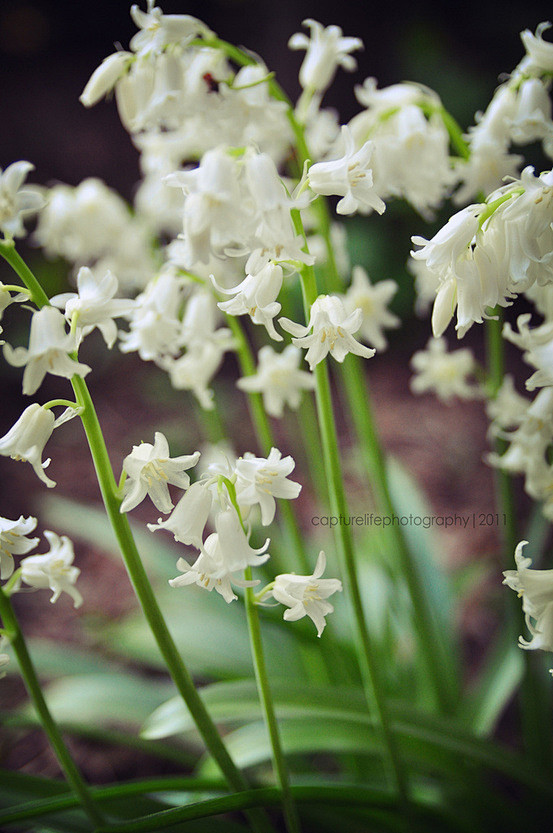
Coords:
226,496
52,570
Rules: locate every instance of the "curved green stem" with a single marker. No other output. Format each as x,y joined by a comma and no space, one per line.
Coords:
264,689
9,253
145,594
139,579
344,543
438,666
69,767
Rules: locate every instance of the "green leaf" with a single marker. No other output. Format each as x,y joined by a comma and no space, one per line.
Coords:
409,503
104,699
502,674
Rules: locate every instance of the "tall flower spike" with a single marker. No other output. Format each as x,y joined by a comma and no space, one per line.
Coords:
149,470
48,352
307,595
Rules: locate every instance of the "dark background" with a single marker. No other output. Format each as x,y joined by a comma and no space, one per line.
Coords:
49,49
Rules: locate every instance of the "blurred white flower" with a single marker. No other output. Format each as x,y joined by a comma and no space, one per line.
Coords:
53,569
444,373
278,379
372,300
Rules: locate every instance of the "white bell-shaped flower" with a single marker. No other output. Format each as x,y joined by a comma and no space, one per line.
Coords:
48,352
16,202
150,470
53,569
27,437
326,50
535,587
14,541
262,479
307,595
189,517
332,331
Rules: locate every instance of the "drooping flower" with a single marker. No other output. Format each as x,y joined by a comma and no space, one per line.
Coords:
224,553
158,30
332,331
260,480
94,305
189,517
14,541
307,595
256,296
105,77
27,437
278,379
15,201
326,50
48,351
349,177
149,470
535,587
53,569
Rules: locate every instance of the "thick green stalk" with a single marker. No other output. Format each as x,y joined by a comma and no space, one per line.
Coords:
344,543
279,761
264,690
265,437
436,664
69,767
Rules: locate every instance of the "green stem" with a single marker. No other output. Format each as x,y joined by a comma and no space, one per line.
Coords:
9,253
263,687
344,543
32,684
264,690
435,661
265,436
144,592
